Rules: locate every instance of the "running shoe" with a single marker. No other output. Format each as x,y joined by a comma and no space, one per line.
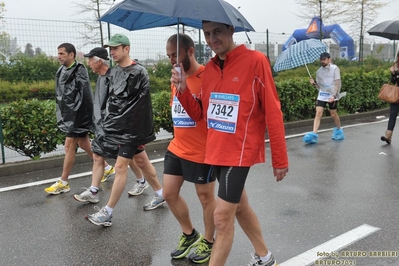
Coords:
101,217
57,188
310,138
108,174
138,188
202,253
154,203
185,245
338,134
257,261
87,196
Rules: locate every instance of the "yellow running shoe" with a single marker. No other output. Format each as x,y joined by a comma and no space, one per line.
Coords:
57,188
108,174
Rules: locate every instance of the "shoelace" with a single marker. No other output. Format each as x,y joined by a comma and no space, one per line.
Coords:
255,260
182,240
202,247
100,211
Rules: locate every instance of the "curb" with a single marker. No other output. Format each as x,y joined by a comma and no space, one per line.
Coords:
53,162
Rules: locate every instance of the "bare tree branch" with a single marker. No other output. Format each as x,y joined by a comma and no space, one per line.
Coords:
95,8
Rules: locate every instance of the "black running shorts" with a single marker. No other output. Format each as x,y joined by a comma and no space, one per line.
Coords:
231,181
197,173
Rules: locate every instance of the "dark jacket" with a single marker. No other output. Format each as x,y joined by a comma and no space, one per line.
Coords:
128,117
74,98
98,144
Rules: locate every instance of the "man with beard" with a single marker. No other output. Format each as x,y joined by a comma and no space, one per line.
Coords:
328,82
184,159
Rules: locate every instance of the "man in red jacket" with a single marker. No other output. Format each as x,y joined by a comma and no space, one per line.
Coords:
238,100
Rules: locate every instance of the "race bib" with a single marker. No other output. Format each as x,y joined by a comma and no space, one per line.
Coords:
179,116
223,112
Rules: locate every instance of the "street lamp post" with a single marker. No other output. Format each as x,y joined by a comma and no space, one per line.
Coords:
321,30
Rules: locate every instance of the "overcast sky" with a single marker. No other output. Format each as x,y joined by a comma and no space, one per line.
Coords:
278,16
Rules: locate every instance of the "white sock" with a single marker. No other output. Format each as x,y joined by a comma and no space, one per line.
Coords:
64,182
109,210
159,192
141,180
94,189
106,168
267,257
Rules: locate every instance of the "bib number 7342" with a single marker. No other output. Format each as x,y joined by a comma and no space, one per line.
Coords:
222,111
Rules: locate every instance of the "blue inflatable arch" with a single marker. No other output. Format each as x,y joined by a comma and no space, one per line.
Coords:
335,32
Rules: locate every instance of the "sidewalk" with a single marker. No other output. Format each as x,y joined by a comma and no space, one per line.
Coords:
162,142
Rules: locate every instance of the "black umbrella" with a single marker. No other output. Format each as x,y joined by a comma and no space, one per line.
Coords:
387,29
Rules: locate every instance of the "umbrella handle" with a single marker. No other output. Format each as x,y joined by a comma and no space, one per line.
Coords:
308,71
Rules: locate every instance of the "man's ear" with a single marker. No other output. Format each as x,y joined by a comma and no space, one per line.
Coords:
191,51
231,28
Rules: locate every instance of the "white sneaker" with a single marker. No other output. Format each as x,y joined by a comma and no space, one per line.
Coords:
138,188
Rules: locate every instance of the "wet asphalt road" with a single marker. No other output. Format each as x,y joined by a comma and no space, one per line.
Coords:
332,187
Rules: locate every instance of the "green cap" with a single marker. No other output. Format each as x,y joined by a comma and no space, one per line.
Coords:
118,39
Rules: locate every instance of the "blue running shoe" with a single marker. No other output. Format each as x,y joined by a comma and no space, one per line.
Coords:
310,138
338,134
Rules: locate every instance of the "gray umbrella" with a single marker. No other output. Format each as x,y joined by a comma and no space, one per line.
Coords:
147,14
387,29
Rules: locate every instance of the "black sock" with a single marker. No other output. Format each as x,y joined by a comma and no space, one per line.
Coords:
193,234
209,243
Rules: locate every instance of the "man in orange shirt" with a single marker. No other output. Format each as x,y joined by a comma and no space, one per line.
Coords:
238,100
184,159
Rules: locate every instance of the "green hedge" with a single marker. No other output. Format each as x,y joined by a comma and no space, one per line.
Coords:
30,127
298,97
22,119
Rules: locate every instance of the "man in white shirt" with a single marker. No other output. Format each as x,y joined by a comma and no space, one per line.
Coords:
328,82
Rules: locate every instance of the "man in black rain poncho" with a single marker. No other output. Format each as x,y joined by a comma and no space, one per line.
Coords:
74,110
127,121
99,64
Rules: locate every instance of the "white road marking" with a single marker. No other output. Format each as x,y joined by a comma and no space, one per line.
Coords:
52,180
333,245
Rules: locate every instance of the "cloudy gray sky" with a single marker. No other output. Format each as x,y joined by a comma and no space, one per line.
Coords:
275,15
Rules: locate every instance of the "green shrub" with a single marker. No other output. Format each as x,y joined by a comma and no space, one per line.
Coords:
28,69
160,77
162,111
10,91
298,97
30,127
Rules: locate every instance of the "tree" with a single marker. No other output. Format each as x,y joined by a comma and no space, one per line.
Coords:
95,27
29,51
38,51
330,10
361,15
8,46
2,9
358,14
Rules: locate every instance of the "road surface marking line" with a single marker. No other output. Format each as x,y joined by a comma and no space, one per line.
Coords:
155,161
333,245
52,180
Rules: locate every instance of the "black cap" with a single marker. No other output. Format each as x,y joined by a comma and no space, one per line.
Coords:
325,55
99,52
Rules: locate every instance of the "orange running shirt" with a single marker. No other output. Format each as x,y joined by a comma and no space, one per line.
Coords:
189,136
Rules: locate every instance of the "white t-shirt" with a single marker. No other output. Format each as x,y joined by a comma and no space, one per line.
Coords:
325,77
